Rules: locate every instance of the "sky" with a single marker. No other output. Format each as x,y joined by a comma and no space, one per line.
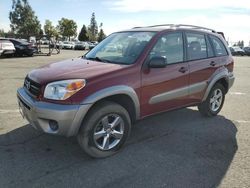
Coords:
230,16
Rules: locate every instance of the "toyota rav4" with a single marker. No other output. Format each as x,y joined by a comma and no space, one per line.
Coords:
130,75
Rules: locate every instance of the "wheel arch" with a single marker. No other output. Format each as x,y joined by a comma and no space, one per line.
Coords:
222,78
123,95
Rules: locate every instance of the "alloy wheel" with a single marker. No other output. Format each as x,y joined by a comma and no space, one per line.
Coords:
216,100
109,132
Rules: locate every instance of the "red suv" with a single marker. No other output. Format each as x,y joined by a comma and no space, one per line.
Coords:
128,76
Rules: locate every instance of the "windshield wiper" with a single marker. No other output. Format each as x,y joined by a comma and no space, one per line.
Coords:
99,59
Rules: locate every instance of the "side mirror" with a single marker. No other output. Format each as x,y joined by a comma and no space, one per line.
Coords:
158,62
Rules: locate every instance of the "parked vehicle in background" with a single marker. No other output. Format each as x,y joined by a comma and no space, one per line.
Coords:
23,47
57,45
94,42
236,50
6,47
98,96
81,46
91,45
45,42
32,39
247,50
68,45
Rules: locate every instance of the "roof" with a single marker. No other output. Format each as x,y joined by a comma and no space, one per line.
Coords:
157,28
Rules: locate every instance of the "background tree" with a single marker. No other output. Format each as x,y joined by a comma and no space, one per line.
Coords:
23,20
241,44
49,29
101,34
83,36
92,28
2,33
67,28
9,34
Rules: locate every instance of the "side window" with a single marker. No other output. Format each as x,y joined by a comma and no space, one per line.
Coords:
169,46
219,47
210,52
196,46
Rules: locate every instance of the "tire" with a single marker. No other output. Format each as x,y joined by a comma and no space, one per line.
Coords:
208,108
30,55
103,115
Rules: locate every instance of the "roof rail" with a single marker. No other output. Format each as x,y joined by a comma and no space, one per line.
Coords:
196,27
181,26
170,25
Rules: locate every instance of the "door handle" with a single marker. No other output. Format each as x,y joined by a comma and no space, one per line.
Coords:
212,63
183,69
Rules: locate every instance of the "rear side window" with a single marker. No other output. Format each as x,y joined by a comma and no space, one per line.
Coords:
219,47
210,52
196,46
169,46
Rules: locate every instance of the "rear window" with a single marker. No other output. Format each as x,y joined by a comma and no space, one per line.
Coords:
219,48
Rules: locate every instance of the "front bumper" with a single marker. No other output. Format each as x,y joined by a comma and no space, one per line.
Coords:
41,114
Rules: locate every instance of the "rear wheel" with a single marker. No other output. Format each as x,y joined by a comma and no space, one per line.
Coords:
214,102
105,130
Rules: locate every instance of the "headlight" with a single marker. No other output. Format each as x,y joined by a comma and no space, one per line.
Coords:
64,89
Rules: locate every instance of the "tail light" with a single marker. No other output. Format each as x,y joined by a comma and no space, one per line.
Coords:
230,67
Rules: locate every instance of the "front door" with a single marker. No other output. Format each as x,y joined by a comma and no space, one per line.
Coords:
165,88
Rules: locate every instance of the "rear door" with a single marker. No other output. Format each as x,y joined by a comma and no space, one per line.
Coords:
165,88
206,54
202,63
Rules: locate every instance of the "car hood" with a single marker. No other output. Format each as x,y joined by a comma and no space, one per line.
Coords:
76,68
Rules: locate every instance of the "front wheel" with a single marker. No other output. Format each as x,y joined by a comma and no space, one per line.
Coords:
105,130
214,102
30,55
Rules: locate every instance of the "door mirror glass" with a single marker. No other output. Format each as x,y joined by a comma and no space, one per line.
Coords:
158,62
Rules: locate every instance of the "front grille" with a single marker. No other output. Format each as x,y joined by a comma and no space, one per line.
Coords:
33,87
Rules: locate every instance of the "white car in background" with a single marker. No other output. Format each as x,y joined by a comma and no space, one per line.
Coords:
81,46
6,47
68,45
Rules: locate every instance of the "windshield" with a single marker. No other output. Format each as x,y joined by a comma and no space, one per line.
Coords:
121,48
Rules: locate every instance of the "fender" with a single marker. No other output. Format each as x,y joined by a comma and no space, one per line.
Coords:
217,76
114,90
